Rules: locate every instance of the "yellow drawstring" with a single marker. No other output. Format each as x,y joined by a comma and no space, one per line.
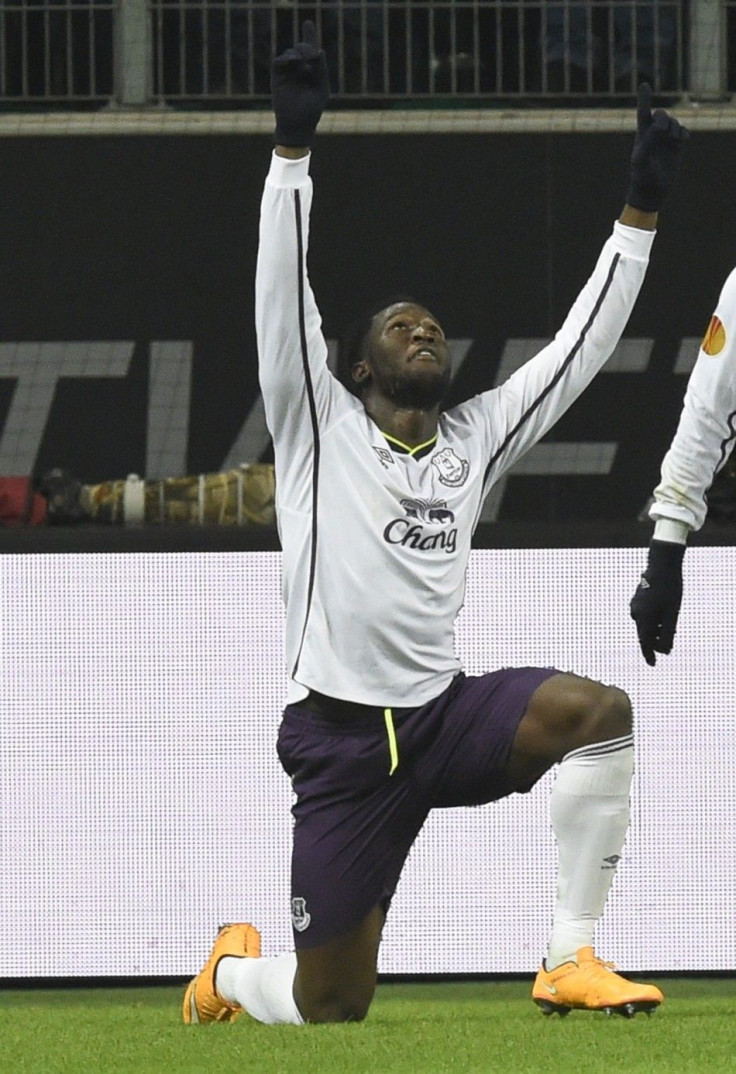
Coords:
393,747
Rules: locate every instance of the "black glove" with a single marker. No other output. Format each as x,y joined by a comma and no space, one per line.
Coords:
300,89
655,159
655,605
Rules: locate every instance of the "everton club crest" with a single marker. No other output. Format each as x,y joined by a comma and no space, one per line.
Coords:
451,469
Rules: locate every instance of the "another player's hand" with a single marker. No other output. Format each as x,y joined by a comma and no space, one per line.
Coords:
300,89
655,605
655,160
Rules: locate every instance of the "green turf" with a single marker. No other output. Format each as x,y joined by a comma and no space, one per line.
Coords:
411,1029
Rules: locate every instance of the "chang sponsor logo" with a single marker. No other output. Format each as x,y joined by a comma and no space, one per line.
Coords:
411,531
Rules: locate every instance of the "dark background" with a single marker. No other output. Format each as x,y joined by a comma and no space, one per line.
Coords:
154,238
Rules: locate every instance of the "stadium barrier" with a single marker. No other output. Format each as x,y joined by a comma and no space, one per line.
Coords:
214,53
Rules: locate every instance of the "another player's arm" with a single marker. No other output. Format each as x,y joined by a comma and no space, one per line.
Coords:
703,441
706,432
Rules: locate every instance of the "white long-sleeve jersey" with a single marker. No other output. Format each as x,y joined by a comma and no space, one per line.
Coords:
707,428
376,543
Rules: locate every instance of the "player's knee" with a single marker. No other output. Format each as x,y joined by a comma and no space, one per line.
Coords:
337,1009
328,998
567,712
608,716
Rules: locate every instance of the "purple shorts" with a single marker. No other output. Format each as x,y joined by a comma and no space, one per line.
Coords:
355,822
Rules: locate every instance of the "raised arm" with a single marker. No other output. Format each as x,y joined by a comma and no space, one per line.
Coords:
292,352
537,395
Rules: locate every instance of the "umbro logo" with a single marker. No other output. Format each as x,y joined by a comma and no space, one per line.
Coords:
550,988
385,457
611,862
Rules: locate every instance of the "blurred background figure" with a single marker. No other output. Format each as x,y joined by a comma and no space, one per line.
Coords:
241,496
610,47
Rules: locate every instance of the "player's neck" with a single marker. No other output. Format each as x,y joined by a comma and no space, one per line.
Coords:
409,427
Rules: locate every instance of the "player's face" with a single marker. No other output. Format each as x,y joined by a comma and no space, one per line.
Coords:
407,357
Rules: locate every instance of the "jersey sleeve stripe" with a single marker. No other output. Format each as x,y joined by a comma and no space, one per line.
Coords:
726,447
312,415
728,442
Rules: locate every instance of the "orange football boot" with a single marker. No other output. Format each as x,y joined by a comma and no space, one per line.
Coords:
591,985
201,1001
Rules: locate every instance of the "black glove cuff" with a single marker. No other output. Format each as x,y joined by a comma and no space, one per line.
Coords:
293,137
666,553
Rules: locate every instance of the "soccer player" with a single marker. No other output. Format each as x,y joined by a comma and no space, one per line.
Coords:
378,491
701,446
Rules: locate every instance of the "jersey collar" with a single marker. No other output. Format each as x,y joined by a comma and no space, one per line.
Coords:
401,448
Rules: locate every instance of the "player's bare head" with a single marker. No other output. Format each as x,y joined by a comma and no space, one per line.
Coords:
401,352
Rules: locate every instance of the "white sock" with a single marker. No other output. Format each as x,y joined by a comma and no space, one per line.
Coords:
590,812
261,986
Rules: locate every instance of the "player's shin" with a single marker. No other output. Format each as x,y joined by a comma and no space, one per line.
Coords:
590,811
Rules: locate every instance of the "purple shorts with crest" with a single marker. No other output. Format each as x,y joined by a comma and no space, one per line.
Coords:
355,821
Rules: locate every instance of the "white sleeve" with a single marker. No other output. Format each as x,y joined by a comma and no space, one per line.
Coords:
529,403
297,387
707,428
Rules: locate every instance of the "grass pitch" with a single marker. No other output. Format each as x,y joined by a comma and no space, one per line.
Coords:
480,1027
